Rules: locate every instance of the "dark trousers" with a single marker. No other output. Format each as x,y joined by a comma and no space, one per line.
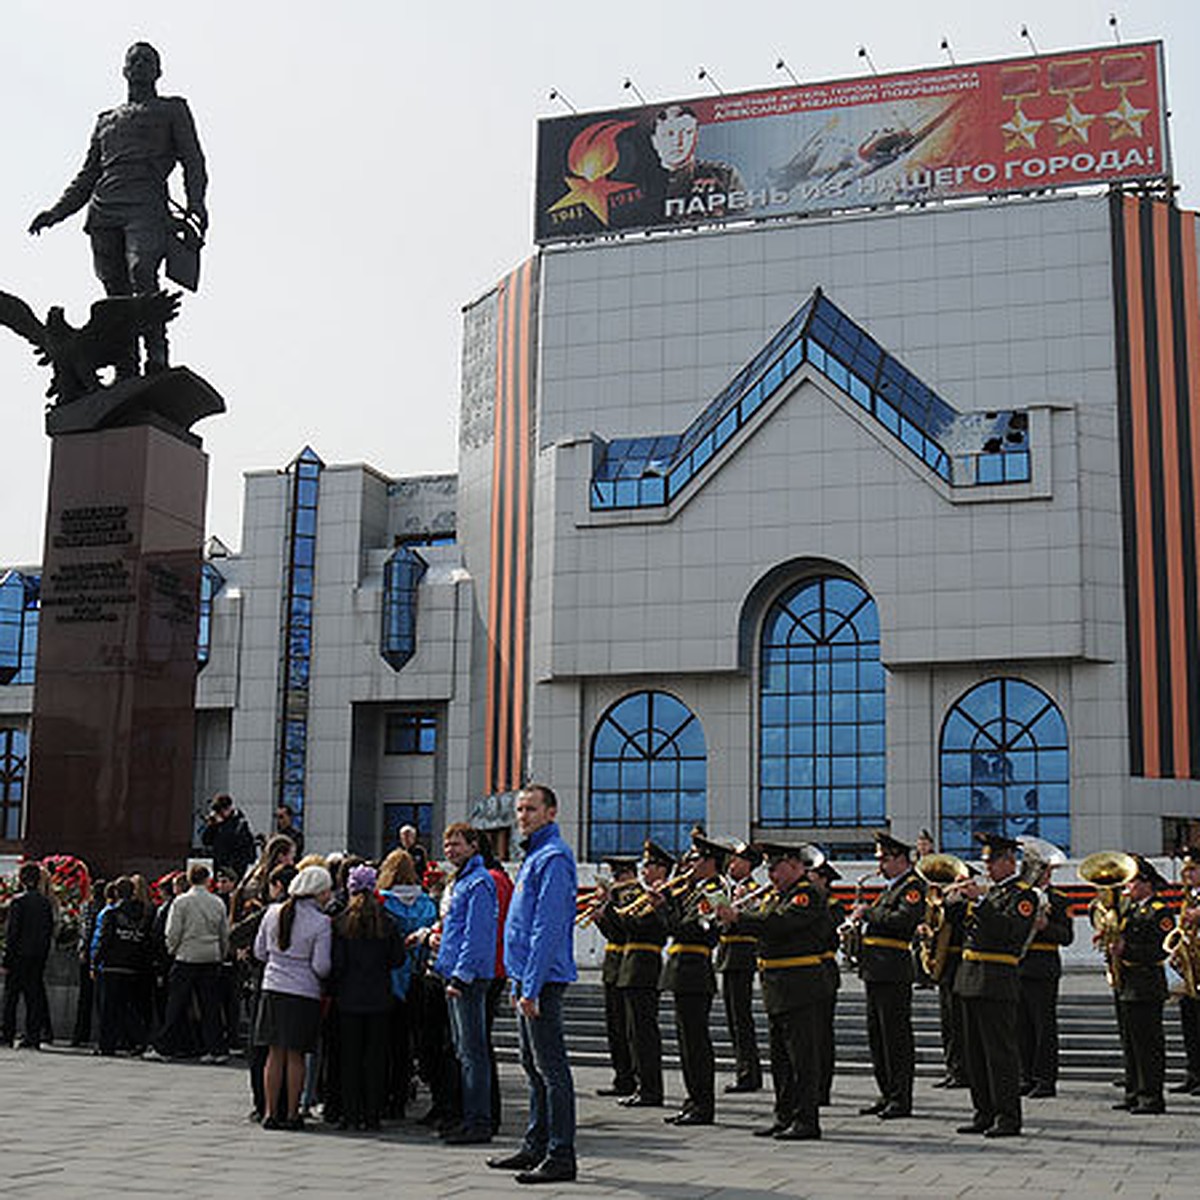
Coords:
83,1008
617,1033
950,1019
993,1070
737,991
824,1013
1144,1048
122,1023
796,1065
890,1034
497,995
692,1012
641,1016
203,980
25,978
1037,1031
364,1044
1189,1024
126,261
400,1052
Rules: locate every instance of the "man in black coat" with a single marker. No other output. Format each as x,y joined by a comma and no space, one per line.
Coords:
1142,991
26,947
886,968
735,964
228,836
997,925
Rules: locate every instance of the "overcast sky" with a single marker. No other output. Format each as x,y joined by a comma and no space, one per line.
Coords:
371,168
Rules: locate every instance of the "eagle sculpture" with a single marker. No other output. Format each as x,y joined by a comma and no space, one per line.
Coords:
108,339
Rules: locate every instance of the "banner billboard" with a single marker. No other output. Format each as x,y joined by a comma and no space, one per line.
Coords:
1042,121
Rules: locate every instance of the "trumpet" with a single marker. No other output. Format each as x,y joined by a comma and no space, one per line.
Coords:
1107,871
590,903
678,885
850,931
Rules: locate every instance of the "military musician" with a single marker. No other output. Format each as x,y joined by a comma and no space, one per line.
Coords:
1039,972
886,968
616,1027
688,976
822,877
1189,1002
997,924
792,925
641,965
1142,990
735,965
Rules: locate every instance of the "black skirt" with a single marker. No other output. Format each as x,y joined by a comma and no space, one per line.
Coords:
293,1022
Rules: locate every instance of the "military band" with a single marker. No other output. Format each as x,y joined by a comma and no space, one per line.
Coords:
992,946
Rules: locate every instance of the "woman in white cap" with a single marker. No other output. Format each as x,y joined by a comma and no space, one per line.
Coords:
294,940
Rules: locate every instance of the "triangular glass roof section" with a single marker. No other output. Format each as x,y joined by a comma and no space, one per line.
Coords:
992,448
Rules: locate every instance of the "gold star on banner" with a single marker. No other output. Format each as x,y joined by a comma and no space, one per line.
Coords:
1125,120
591,193
1021,131
1073,125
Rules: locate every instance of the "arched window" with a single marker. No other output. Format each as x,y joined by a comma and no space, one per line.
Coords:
821,709
1004,766
649,770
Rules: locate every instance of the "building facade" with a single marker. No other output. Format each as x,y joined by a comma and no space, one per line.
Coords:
800,528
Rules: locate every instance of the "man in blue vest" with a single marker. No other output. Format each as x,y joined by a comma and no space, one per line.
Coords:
539,957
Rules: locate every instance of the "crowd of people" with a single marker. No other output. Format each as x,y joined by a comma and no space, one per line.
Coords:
348,981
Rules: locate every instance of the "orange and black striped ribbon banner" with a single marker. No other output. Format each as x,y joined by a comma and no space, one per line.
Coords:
1158,379
508,577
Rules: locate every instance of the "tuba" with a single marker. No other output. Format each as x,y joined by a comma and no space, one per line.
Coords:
1107,871
1036,855
938,871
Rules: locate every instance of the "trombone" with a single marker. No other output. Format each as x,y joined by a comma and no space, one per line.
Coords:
678,885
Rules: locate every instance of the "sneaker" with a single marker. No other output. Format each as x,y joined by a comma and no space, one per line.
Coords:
150,1054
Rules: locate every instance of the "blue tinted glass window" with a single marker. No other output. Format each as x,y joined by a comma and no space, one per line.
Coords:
821,696
649,760
1004,766
410,733
14,750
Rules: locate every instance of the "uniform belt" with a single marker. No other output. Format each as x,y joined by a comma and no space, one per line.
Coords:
890,943
1042,946
737,939
1009,960
828,956
800,960
649,947
687,948
1158,962
610,947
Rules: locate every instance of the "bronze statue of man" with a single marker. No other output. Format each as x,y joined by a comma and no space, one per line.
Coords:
123,181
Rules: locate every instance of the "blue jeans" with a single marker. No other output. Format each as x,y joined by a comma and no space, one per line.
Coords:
468,1028
551,1130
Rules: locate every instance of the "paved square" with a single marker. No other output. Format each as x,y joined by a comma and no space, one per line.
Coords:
72,1125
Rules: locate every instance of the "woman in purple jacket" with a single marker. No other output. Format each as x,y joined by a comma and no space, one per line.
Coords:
294,940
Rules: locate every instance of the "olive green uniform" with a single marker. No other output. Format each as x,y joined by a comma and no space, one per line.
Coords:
735,963
1040,971
996,929
688,975
641,965
1140,998
616,1026
886,968
793,931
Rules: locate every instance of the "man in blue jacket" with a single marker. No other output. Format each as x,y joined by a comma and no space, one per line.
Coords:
467,962
539,956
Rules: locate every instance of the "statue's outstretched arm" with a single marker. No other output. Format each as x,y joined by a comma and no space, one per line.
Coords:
78,193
